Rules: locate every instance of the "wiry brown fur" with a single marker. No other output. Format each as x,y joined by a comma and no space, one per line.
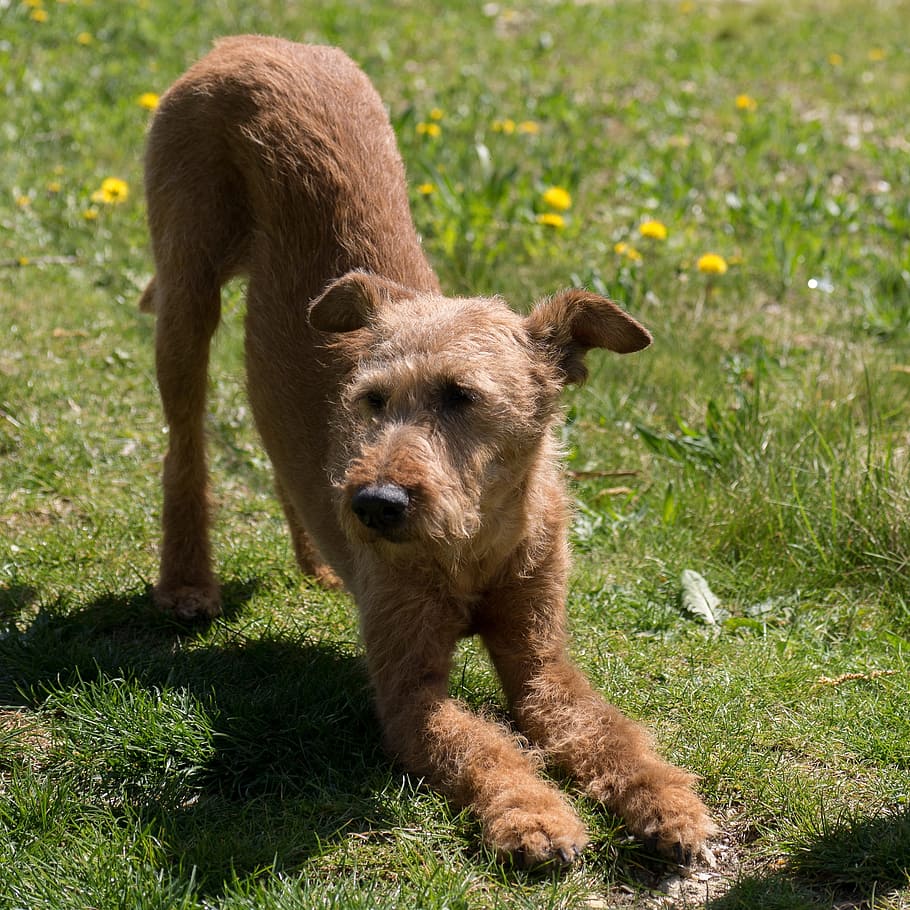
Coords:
410,434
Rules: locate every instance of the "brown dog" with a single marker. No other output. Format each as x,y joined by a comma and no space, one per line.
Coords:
410,434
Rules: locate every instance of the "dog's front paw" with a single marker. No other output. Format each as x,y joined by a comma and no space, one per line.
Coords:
189,602
531,838
661,808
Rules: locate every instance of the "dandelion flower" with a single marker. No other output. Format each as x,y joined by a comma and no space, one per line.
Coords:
90,214
653,229
557,198
436,114
429,129
504,126
711,264
835,59
38,15
624,249
425,189
529,126
746,103
23,260
148,100
84,38
54,186
23,201
113,191
877,54
551,219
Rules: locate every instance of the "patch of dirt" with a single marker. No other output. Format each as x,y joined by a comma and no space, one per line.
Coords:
683,889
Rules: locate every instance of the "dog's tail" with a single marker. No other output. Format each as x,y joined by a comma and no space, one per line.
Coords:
147,300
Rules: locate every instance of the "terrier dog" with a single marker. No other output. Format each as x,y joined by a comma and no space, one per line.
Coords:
410,433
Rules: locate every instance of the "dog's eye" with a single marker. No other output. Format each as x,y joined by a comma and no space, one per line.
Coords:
374,400
455,397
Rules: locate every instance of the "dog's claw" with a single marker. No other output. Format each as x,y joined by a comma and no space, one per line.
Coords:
682,856
532,840
189,603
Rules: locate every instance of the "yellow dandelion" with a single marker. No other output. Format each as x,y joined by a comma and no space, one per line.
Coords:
54,186
90,214
84,38
23,260
429,129
23,201
33,4
506,126
557,198
113,191
628,251
711,264
653,229
551,219
425,189
436,114
877,54
687,7
835,59
746,103
148,100
38,15
530,127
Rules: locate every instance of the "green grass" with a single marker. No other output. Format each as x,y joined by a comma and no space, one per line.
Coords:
762,442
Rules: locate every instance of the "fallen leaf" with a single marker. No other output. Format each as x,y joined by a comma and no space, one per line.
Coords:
699,600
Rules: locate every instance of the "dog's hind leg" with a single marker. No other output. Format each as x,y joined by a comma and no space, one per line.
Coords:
308,557
200,227
187,318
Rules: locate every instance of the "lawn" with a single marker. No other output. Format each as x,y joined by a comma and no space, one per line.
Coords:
761,443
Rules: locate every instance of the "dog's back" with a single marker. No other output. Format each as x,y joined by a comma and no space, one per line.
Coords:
278,158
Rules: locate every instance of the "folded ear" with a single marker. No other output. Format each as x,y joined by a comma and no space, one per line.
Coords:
570,323
351,302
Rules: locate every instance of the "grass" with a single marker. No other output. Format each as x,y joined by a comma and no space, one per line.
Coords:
762,442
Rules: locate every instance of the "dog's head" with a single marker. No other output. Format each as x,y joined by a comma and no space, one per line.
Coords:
451,403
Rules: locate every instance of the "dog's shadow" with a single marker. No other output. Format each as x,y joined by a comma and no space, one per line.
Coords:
279,751
291,750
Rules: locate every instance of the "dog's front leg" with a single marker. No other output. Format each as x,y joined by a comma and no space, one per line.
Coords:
474,762
610,756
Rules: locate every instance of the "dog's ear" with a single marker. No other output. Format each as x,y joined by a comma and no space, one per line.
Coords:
350,302
570,323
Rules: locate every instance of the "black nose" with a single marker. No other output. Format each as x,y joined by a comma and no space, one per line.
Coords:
381,506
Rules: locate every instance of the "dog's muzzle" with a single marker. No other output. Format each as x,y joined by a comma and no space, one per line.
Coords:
381,507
